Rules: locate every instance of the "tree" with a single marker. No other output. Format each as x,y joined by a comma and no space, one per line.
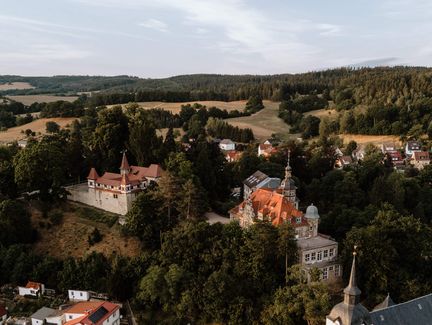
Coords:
191,205
15,225
254,104
52,127
42,167
310,126
167,193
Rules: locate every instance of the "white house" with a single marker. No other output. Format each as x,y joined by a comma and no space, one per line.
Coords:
40,317
78,295
420,159
93,312
227,144
34,289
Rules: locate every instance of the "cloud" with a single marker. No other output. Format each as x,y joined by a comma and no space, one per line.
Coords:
155,25
329,29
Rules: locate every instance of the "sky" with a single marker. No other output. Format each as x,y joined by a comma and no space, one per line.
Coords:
161,38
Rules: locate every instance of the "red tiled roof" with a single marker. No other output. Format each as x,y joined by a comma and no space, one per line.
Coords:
93,175
274,206
87,308
421,156
124,163
33,285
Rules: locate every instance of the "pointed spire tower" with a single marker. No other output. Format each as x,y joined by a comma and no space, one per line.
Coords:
350,311
124,167
287,186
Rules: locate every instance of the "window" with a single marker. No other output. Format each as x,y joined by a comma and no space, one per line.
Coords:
307,257
326,253
337,270
331,252
325,273
115,196
313,256
319,256
330,268
70,316
81,294
298,220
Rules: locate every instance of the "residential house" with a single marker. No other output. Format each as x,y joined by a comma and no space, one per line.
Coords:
233,155
420,159
227,145
338,152
351,312
389,147
343,161
115,192
411,147
47,315
259,180
395,159
34,289
280,206
78,295
266,149
3,314
358,153
92,312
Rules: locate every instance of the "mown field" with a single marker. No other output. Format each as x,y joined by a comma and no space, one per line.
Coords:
15,134
175,107
30,99
264,123
374,139
15,85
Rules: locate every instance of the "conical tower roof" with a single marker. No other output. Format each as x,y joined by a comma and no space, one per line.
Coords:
124,164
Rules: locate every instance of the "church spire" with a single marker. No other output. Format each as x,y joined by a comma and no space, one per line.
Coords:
124,167
288,167
352,292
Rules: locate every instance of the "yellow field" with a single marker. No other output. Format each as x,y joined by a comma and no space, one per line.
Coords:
16,85
14,134
264,123
30,99
175,107
374,139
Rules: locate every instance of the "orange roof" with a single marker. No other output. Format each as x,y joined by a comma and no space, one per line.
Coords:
421,156
264,146
124,163
33,285
93,174
87,308
273,206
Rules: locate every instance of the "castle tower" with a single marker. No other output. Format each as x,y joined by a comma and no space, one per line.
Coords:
124,167
288,185
350,311
313,218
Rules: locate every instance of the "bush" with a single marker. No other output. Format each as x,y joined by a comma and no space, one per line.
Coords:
94,237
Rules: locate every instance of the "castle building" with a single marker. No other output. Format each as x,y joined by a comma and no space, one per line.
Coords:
350,311
280,206
115,192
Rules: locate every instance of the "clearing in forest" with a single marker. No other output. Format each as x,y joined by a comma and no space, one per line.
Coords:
30,99
374,139
39,125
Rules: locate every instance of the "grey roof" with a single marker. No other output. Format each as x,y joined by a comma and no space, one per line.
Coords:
312,212
315,242
387,302
226,141
288,184
43,313
254,179
413,145
414,312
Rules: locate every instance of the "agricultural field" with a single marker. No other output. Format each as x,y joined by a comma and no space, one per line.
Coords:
175,107
374,139
15,85
30,99
264,123
321,113
70,236
14,134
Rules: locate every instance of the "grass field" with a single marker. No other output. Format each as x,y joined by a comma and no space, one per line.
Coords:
69,237
374,139
331,113
15,85
30,99
14,134
264,123
175,107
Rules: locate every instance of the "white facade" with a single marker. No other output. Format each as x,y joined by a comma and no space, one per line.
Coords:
119,203
78,295
113,319
227,145
24,291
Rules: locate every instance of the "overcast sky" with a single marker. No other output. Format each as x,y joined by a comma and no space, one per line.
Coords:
160,38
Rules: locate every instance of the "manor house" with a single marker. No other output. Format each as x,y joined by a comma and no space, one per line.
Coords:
115,192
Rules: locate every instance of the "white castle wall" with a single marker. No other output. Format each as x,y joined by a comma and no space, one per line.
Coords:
119,203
